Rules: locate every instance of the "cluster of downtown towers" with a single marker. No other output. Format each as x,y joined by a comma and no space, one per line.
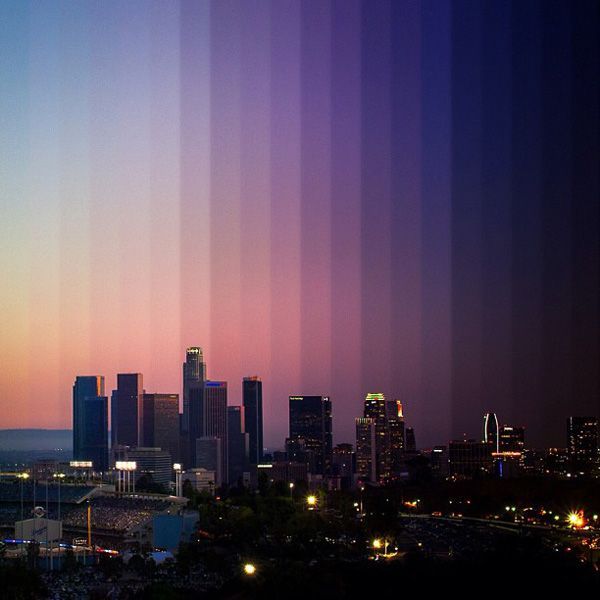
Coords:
234,434
227,439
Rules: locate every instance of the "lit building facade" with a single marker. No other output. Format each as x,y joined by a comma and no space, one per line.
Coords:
582,444
194,374
310,426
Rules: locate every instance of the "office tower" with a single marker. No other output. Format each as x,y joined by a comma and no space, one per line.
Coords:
126,410
238,445
508,459
194,374
511,439
215,417
366,454
389,433
209,456
582,444
253,417
410,442
395,427
439,461
90,421
342,464
491,431
469,458
161,423
311,429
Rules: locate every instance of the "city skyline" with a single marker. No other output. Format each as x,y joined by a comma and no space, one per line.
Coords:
339,196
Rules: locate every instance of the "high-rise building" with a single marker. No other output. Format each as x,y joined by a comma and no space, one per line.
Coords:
194,374
209,456
126,410
376,408
90,421
366,454
161,423
238,445
395,426
215,417
253,417
583,444
343,464
470,458
511,439
311,430
491,431
410,441
389,434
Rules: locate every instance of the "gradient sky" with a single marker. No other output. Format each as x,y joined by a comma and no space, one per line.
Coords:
339,196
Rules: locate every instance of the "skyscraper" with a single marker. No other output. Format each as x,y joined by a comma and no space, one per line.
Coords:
395,426
491,431
90,421
194,374
583,444
253,417
215,417
311,431
161,423
126,410
511,439
208,456
389,433
238,444
366,455
410,441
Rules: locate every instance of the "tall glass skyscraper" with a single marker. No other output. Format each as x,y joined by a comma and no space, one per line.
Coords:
237,440
253,417
90,421
215,418
311,436
194,375
126,410
161,423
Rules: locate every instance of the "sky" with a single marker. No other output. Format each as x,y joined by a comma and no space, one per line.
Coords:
339,196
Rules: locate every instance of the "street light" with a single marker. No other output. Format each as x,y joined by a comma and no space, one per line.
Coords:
22,477
291,490
249,569
58,476
178,486
312,502
378,543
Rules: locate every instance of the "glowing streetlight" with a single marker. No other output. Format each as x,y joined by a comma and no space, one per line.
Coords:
378,544
291,489
312,502
576,519
249,569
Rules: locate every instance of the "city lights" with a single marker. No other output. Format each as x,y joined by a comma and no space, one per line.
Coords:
576,519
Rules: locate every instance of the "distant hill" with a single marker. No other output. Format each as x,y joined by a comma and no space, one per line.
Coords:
36,439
